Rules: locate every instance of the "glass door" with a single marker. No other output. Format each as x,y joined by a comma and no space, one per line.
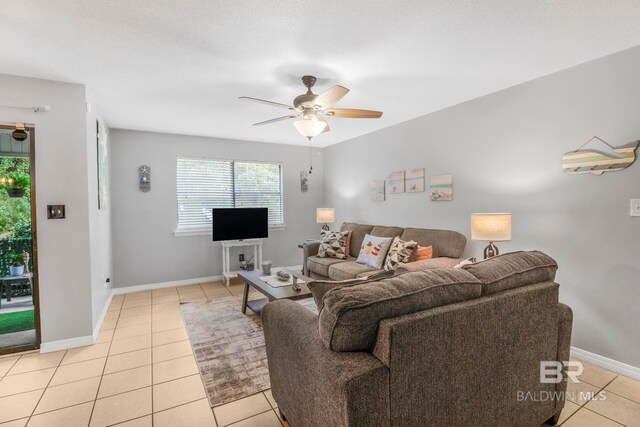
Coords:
19,317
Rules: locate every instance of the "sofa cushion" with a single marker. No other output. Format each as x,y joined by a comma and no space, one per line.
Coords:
319,288
384,231
321,265
349,270
445,243
333,244
513,270
349,320
358,232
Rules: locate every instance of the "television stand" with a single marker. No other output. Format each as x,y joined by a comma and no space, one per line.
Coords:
227,274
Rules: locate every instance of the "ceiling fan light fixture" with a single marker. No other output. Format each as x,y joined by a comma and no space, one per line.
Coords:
310,128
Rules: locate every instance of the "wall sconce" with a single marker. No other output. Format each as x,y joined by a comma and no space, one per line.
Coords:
144,177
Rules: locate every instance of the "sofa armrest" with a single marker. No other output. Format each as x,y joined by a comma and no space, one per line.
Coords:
309,248
565,325
317,386
426,264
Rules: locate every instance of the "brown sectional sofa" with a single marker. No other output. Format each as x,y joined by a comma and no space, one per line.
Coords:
440,347
448,247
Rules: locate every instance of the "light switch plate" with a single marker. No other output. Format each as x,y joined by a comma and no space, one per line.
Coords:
635,207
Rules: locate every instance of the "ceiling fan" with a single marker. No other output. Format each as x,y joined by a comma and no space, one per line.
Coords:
312,109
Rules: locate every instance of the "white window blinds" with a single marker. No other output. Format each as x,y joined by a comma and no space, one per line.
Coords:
203,184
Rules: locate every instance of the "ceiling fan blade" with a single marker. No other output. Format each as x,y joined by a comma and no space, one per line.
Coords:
327,128
329,97
352,113
277,119
264,101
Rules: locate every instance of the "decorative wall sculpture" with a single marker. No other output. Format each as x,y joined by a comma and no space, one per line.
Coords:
598,162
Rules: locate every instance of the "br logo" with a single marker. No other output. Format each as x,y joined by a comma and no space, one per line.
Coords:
551,371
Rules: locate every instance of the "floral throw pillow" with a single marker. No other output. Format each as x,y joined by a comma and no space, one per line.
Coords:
333,244
399,252
374,250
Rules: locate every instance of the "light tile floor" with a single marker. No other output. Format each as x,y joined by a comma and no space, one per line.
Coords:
142,373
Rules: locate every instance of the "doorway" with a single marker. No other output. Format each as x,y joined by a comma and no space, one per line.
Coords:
19,306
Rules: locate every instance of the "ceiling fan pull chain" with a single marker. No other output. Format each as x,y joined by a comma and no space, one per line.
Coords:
310,158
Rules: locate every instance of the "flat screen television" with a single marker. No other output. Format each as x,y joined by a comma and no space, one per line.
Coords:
240,223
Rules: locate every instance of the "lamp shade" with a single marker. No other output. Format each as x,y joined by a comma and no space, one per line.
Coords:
310,127
326,215
491,227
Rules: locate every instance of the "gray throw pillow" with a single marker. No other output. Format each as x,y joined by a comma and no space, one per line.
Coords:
319,288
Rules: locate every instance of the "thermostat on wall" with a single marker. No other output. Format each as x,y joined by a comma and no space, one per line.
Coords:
635,207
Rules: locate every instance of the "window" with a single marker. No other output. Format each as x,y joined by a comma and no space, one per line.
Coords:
202,184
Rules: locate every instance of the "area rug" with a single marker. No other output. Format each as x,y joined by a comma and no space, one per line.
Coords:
229,347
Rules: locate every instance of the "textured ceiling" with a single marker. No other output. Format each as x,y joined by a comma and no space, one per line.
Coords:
179,66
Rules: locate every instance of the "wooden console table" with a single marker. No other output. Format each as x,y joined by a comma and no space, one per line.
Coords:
227,274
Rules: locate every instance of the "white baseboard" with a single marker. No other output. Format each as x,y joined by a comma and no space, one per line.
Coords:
151,286
48,347
606,363
105,309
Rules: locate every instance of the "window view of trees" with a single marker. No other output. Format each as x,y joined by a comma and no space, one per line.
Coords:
15,212
203,184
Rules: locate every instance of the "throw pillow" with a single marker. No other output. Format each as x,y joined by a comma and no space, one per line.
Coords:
333,244
374,250
465,262
424,252
319,288
400,251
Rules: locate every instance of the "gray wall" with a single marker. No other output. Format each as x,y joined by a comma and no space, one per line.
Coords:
504,153
145,248
61,178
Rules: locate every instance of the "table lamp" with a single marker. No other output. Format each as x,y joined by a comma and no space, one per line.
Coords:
326,216
491,227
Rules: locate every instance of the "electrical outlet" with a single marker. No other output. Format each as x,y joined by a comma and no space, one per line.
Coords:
241,257
635,207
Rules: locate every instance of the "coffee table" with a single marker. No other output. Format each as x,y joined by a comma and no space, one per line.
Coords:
252,279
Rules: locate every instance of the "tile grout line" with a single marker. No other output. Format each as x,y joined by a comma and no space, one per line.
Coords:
598,413
47,386
274,411
95,400
153,316
246,418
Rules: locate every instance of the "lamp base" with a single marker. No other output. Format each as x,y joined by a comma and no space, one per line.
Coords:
491,250
325,227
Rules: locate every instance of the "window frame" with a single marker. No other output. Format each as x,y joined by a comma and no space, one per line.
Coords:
207,230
